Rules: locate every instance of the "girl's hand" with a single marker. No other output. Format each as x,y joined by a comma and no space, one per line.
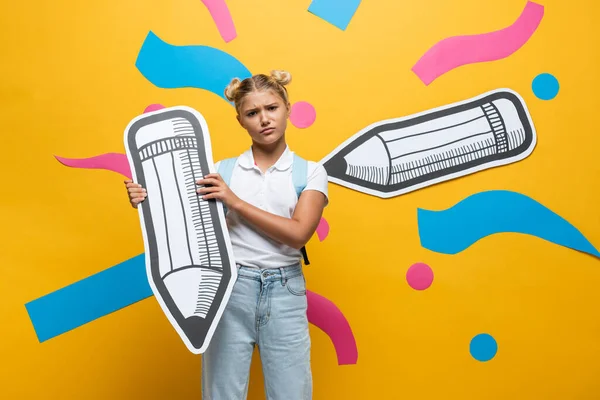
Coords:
136,192
216,188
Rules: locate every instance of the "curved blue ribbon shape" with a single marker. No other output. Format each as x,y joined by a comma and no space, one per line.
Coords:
455,229
203,67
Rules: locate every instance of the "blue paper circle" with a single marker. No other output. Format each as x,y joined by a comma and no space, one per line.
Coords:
483,347
545,86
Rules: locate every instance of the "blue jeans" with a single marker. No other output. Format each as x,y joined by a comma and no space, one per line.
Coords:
268,309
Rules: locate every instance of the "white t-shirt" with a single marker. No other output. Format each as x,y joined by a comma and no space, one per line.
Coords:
273,192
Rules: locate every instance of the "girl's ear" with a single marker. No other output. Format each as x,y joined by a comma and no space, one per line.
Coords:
289,109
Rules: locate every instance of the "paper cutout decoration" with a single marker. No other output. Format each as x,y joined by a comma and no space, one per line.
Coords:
322,229
189,258
203,67
302,114
397,156
89,299
456,51
153,107
220,14
336,12
545,86
335,325
109,161
457,228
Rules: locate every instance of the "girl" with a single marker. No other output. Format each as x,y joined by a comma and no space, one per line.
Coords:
268,225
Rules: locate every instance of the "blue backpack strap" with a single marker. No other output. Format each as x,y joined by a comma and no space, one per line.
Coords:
226,170
299,173
299,178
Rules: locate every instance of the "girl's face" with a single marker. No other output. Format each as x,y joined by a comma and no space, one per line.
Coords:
264,115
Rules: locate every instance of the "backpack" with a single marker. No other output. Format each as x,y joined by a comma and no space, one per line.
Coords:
299,176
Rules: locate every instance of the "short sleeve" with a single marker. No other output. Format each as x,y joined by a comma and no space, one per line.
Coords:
317,179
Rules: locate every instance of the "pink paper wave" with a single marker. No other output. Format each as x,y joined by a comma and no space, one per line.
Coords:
115,162
220,14
456,51
324,314
321,312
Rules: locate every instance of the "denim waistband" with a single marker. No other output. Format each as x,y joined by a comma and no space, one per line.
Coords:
270,274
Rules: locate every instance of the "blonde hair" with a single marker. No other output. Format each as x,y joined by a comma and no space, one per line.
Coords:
237,89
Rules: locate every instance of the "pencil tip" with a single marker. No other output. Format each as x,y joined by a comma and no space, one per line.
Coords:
336,166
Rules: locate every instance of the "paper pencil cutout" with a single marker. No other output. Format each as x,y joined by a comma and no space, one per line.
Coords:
189,260
397,156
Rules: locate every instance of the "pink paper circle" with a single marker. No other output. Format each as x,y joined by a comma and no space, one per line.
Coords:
153,107
419,276
303,114
322,229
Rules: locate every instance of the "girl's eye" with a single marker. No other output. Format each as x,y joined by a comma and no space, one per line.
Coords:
251,113
272,108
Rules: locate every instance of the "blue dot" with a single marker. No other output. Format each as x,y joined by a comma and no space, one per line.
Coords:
483,347
545,86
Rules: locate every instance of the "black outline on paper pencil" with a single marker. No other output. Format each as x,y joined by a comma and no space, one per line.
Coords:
189,260
397,156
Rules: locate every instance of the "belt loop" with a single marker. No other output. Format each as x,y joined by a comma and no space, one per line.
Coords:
283,276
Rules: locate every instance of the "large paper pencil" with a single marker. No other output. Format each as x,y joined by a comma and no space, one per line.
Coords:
397,156
189,260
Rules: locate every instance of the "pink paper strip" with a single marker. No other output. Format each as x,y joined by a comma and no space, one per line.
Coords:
456,51
115,162
326,316
220,14
322,229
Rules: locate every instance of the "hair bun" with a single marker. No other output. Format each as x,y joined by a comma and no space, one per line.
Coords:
281,77
232,88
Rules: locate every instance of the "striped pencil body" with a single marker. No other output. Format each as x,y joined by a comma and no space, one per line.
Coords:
396,156
188,256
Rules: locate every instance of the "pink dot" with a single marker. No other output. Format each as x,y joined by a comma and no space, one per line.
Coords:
323,229
303,114
153,107
419,276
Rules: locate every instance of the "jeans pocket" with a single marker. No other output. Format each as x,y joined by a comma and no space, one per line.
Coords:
297,285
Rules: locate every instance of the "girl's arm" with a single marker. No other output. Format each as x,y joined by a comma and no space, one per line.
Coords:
294,232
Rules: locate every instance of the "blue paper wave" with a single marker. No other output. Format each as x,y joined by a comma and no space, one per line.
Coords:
457,228
203,67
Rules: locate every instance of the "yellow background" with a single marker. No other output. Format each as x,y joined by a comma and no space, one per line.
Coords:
69,87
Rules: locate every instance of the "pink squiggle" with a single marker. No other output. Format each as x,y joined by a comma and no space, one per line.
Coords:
115,162
324,314
321,312
456,51
220,14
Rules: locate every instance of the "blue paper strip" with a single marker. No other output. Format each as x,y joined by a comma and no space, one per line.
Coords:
336,12
203,67
90,298
455,229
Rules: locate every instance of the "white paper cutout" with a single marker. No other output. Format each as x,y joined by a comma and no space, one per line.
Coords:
397,156
189,259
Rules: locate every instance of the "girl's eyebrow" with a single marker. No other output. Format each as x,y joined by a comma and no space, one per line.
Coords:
256,108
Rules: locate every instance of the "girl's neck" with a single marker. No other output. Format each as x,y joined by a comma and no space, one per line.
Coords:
266,156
